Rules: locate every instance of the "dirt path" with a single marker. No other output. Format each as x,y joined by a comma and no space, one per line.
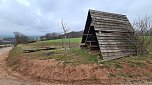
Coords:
8,77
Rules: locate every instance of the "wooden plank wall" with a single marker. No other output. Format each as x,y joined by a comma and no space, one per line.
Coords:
114,45
111,33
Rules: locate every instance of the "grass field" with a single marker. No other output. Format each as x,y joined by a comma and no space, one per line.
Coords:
126,67
74,54
56,43
72,40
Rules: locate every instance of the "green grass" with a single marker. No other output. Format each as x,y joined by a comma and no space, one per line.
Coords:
134,61
72,40
112,75
122,75
56,43
118,66
74,55
137,64
14,54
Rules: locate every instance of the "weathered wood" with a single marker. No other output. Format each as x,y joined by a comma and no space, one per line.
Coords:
110,38
92,41
93,46
118,50
111,33
111,47
110,24
38,49
118,46
115,38
107,20
111,30
114,43
115,48
87,34
107,34
102,15
115,56
105,26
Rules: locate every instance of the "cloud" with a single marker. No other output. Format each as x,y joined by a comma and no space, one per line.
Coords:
41,16
24,2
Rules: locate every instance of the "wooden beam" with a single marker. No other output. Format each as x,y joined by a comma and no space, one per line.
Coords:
93,46
88,31
91,41
87,34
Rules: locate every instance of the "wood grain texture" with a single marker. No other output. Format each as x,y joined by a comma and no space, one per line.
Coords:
111,33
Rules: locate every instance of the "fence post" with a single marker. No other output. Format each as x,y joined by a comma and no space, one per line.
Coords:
69,41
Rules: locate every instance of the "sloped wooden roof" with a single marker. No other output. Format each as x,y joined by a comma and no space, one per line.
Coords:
112,32
109,21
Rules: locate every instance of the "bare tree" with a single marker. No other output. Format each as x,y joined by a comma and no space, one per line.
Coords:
20,38
65,30
143,27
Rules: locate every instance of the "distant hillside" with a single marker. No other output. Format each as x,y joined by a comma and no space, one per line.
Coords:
51,36
73,34
6,36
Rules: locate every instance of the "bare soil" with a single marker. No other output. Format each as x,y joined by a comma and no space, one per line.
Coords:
9,77
54,72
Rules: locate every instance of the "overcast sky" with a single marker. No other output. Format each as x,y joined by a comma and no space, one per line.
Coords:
37,17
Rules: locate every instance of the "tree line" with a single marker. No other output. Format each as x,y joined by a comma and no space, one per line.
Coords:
54,35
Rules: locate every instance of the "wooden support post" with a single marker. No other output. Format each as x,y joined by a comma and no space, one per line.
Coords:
88,33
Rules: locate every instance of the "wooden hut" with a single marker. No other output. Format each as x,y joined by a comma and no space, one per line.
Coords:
109,33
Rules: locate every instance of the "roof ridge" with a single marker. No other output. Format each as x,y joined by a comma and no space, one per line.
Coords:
91,10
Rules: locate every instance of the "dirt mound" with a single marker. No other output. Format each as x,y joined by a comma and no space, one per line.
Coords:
53,71
131,74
